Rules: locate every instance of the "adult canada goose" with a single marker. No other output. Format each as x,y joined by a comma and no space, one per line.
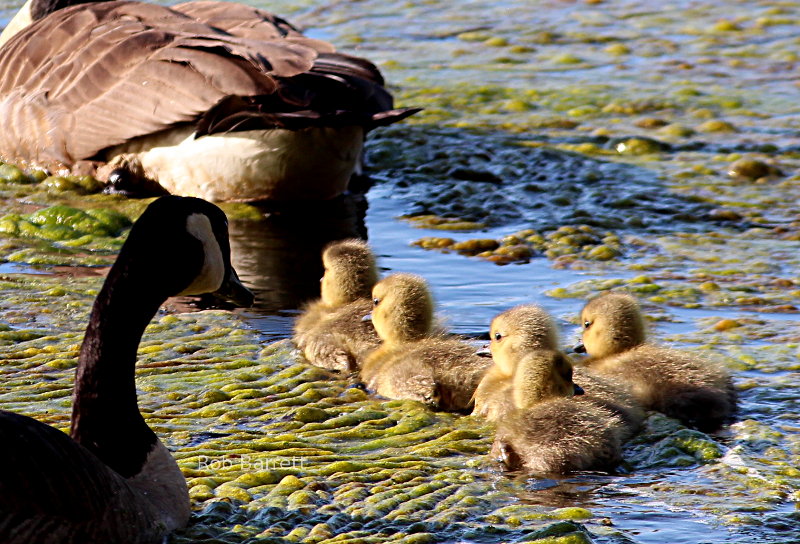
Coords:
699,392
112,480
551,431
332,332
210,99
415,360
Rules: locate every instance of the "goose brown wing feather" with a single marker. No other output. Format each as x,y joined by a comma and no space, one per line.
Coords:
248,22
100,74
338,90
347,66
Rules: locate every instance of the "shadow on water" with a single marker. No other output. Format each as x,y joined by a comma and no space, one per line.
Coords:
278,257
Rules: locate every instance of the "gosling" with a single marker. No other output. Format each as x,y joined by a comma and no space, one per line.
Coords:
552,428
512,333
332,333
698,392
414,360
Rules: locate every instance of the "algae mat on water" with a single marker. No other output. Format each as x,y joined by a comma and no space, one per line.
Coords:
276,449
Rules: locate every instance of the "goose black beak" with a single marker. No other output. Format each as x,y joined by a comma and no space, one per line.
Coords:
234,291
579,348
578,390
484,352
367,317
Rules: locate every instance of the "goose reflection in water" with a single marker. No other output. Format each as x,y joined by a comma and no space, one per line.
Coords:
279,256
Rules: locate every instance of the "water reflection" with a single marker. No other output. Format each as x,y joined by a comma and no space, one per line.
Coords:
577,490
278,257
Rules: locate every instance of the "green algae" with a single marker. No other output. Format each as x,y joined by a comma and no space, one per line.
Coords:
64,235
59,223
675,446
11,174
443,223
280,465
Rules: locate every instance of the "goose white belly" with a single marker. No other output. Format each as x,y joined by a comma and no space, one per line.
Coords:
276,164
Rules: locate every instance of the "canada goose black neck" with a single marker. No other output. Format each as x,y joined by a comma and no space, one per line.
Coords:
160,259
106,417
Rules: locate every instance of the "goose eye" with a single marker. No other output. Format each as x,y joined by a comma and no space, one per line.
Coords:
376,301
587,324
498,336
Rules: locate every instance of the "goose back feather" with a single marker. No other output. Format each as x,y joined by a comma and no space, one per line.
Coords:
99,74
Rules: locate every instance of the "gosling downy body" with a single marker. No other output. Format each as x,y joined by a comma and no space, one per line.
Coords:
210,99
111,479
613,395
414,362
696,391
551,429
332,332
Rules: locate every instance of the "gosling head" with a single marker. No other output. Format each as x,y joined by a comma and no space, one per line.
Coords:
612,323
350,272
403,308
181,245
518,331
542,375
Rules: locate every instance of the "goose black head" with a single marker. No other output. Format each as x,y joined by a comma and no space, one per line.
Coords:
180,245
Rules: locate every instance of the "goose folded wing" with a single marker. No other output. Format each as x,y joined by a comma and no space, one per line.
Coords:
102,74
338,90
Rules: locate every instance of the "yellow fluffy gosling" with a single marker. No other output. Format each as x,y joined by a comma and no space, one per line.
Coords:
413,362
550,430
697,391
332,332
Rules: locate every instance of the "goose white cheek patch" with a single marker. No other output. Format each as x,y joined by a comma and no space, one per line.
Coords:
212,274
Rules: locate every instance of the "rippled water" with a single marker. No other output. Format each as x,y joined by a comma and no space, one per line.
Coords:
536,98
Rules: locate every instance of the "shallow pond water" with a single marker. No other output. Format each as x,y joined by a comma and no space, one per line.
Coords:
553,128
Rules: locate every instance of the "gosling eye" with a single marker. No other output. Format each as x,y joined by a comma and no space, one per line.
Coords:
376,301
498,336
587,324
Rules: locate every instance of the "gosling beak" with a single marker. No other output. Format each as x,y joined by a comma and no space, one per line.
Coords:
234,291
578,390
367,317
484,352
579,348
